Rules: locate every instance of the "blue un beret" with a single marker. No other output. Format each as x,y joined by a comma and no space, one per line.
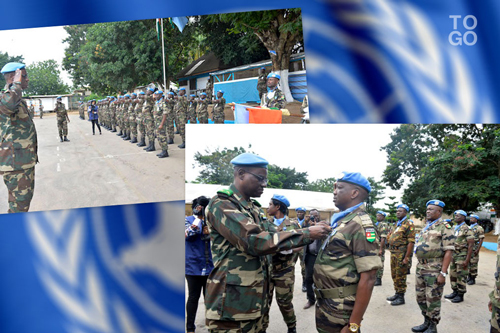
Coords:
142,93
381,212
170,93
475,216
249,160
151,89
461,212
158,92
404,206
204,94
273,75
282,199
263,67
127,95
192,95
220,91
134,94
355,178
12,66
182,89
435,203
300,208
59,97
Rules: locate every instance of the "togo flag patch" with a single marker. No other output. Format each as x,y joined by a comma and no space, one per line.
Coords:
370,234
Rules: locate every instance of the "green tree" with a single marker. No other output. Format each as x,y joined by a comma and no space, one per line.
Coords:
72,61
286,178
375,195
391,209
45,79
4,59
279,30
322,185
459,164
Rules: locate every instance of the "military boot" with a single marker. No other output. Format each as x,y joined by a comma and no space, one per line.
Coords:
432,328
114,130
142,143
170,141
120,134
471,281
163,154
134,140
61,139
152,147
292,330
459,298
127,137
66,138
378,282
149,146
392,298
423,327
452,295
124,134
182,145
400,300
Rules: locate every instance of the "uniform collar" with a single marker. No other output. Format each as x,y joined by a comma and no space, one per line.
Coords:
237,194
278,222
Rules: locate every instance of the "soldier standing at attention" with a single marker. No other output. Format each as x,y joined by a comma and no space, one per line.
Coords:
434,250
192,109
62,119
140,120
347,263
494,303
209,88
160,118
147,116
382,230
41,110
478,233
32,111
459,269
283,265
181,110
218,110
18,134
261,82
237,294
169,106
401,242
134,110
274,97
202,111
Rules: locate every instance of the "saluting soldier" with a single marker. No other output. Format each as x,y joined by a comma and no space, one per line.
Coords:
180,110
283,264
434,249
382,230
202,111
478,233
261,82
459,269
18,134
218,115
346,266
401,241
62,119
237,292
274,98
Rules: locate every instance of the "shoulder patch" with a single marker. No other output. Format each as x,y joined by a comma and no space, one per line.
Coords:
256,203
370,234
447,225
225,193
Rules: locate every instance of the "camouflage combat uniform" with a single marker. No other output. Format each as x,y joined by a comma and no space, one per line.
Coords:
495,296
161,135
283,279
32,111
218,111
478,233
351,249
62,121
81,111
41,111
192,111
180,110
169,122
261,85
397,242
276,100
18,148
131,119
458,274
202,111
147,117
382,231
113,115
209,90
237,294
430,249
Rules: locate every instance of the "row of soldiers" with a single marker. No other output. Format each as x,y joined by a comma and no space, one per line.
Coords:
149,115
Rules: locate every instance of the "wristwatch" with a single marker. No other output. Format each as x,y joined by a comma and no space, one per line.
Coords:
353,327
443,274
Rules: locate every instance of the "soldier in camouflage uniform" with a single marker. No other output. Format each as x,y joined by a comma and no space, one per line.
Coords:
169,107
19,145
434,249
160,116
147,116
32,111
202,111
478,233
400,242
382,231
62,119
459,269
193,102
119,105
41,110
301,213
126,116
218,109
274,98
237,291
283,265
135,108
209,88
494,303
180,111
261,82
347,262
140,120
112,114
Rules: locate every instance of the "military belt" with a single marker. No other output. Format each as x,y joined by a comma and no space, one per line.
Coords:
429,260
397,248
339,292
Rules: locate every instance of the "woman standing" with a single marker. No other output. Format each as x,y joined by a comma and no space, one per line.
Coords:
94,116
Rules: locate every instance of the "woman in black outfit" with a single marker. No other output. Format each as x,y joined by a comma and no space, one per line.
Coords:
94,116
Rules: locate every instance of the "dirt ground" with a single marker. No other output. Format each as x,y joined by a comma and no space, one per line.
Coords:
293,107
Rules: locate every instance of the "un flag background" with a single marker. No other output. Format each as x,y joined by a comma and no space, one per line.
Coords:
111,269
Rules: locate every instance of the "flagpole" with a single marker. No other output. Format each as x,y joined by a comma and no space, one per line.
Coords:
163,57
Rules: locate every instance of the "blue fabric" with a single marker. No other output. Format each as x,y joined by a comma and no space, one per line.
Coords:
404,206
250,160
12,66
301,222
241,115
198,253
401,222
92,115
337,216
355,178
382,213
490,246
239,91
277,222
180,22
461,212
282,199
436,203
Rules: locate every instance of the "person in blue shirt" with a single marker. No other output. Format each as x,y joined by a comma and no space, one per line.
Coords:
94,116
198,258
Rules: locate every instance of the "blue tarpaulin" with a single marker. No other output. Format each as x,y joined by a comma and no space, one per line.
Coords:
241,91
